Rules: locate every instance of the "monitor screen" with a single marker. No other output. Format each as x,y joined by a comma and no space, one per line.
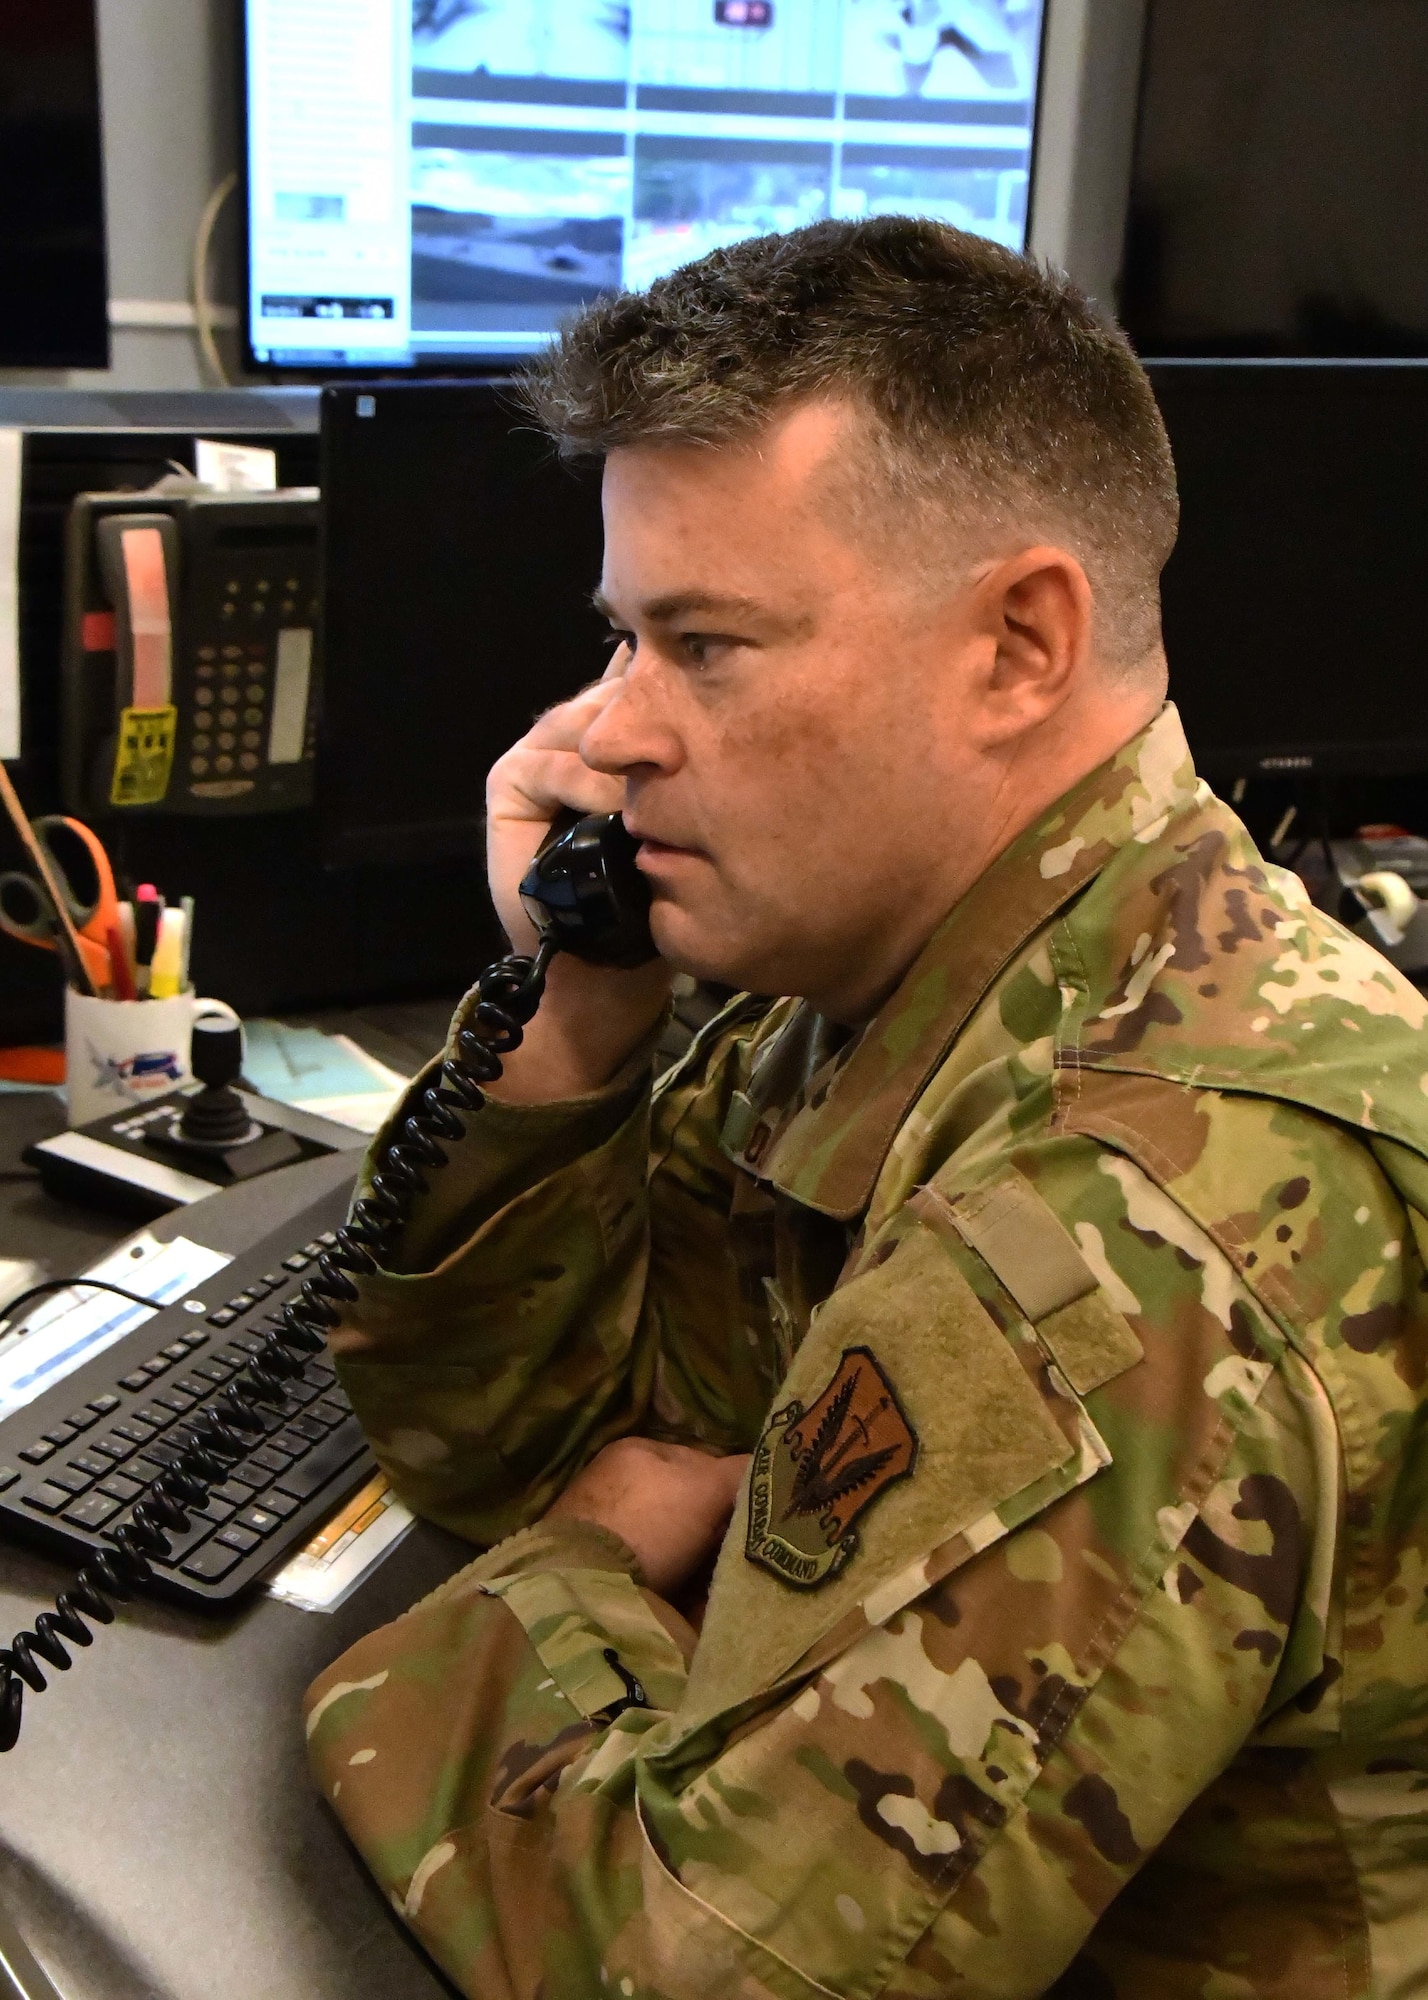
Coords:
54,292
1281,163
459,556
1291,600
440,182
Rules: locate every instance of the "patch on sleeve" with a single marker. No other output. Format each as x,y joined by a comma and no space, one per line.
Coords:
816,1469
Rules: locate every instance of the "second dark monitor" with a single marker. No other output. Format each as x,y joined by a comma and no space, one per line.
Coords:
459,557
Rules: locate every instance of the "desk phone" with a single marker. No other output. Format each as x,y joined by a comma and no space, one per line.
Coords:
187,669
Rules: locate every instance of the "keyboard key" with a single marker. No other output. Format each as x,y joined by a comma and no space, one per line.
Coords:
241,1301
175,1400
224,1316
261,1520
195,1337
249,1475
137,1471
327,1238
313,1249
136,1431
232,1357
309,1427
232,1494
213,1370
71,1480
160,1364
37,1453
61,1434
8,1475
281,1504
330,1412
176,1351
181,1545
102,1405
212,1563
270,1458
297,1262
291,1442
48,1499
250,1343
110,1446
154,1414
274,1280
135,1380
119,1486
191,1386
94,1513
87,1462
80,1420
324,1463
163,1454
320,1372
242,1539
215,1510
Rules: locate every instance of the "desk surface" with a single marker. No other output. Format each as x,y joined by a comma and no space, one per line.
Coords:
159,1838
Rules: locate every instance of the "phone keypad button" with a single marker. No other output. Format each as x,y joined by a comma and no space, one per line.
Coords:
198,766
232,652
206,673
255,691
227,718
223,763
231,668
202,741
203,697
227,741
252,738
248,761
208,652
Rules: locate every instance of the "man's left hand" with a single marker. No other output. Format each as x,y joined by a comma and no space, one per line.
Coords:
670,1503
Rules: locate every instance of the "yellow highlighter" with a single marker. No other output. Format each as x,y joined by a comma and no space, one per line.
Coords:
166,970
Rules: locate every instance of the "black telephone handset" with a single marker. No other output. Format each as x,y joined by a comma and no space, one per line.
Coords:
584,894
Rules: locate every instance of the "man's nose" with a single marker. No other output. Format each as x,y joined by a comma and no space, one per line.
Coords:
631,733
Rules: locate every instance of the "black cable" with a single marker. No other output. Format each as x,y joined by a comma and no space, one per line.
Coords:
12,1306
507,995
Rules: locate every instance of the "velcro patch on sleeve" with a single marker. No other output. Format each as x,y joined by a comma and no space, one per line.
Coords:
1035,1258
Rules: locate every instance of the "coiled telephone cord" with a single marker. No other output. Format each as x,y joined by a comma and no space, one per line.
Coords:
507,995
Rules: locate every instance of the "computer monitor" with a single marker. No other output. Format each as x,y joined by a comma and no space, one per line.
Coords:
1280,166
1291,601
459,555
54,292
438,183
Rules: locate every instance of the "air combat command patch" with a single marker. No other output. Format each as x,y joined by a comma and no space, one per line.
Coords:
816,1469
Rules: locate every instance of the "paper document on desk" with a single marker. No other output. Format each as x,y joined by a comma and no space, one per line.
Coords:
325,1571
326,1074
74,1325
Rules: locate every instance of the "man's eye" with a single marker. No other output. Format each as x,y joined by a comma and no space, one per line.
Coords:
614,640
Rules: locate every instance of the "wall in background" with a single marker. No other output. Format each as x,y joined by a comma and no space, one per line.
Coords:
169,84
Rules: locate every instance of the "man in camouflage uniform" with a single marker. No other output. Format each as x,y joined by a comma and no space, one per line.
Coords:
1062,1277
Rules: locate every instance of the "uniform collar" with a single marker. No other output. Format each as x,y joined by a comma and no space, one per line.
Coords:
818,1121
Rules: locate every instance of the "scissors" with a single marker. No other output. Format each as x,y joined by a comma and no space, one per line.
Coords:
27,912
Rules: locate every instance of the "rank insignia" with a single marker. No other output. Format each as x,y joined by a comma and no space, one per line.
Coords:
816,1469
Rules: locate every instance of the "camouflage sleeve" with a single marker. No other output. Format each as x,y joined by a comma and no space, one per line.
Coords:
522,1332
933,1765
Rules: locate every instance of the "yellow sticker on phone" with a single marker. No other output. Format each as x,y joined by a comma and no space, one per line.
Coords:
144,756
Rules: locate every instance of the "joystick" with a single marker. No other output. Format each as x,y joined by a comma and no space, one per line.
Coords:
216,1115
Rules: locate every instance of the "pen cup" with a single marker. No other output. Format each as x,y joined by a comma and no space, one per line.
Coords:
122,1054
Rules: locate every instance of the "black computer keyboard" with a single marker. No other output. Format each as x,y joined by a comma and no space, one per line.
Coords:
75,1461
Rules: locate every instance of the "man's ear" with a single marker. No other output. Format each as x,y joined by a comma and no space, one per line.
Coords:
1035,612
